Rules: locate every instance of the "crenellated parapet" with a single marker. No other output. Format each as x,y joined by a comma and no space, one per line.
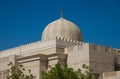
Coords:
18,50
40,45
68,40
64,39
96,47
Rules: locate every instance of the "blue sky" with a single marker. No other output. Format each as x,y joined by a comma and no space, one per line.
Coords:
22,21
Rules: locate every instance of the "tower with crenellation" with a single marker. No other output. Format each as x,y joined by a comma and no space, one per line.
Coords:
62,42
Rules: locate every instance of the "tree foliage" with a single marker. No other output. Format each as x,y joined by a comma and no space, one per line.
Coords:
18,72
64,72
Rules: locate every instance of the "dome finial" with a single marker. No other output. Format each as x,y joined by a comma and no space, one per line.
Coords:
61,13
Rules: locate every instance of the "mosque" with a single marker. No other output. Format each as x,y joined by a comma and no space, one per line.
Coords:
62,42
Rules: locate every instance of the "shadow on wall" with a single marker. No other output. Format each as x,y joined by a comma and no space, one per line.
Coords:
117,66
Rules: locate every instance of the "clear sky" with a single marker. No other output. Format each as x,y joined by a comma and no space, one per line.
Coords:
22,21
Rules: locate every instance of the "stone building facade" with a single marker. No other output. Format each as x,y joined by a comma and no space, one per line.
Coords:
62,42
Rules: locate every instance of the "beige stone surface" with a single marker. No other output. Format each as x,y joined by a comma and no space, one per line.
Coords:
61,42
61,28
77,56
34,66
101,58
111,75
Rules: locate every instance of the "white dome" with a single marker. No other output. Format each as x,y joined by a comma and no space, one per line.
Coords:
61,28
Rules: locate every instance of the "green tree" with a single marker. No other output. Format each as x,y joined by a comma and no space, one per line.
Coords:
60,72
17,72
